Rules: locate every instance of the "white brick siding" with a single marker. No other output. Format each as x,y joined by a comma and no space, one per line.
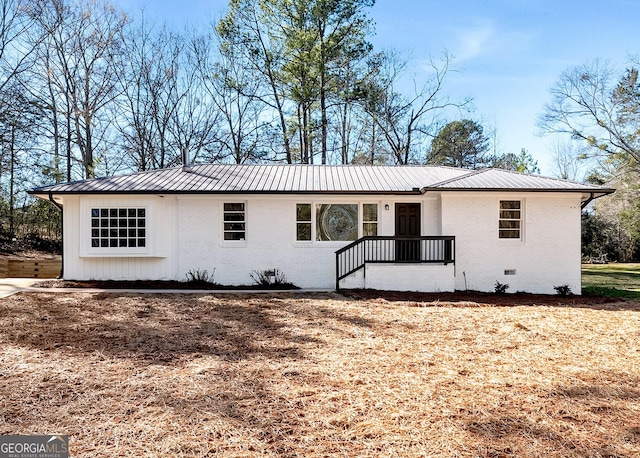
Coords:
187,235
406,277
548,254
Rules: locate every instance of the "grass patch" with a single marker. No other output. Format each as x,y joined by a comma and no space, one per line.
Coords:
614,280
319,375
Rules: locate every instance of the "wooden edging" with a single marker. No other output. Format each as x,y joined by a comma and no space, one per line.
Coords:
29,268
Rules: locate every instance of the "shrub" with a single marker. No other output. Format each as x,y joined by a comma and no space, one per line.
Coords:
563,290
199,277
500,288
269,277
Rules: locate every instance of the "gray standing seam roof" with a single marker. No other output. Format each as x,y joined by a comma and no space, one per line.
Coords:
498,179
283,178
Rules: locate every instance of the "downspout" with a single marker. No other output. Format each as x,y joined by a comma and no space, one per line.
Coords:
51,199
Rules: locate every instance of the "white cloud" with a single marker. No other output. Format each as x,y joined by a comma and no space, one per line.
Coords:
475,41
485,39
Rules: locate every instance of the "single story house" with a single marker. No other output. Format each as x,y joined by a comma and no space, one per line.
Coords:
413,228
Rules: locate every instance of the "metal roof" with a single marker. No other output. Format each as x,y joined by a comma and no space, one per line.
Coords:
498,179
340,179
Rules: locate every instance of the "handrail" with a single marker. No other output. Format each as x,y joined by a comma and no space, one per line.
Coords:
392,249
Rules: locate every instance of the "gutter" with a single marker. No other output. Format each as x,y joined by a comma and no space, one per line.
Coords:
593,194
52,200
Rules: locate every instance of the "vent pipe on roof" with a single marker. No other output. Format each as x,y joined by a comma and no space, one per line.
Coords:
186,165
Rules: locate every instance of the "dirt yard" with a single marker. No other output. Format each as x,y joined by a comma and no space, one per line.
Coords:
286,375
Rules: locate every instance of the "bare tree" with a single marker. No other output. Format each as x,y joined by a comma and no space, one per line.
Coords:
569,159
402,118
246,29
150,95
230,83
593,103
15,51
351,132
45,85
195,122
83,61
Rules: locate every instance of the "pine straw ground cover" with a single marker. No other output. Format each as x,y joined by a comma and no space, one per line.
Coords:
319,375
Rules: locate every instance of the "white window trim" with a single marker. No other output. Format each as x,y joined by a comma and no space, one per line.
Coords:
234,243
522,221
87,251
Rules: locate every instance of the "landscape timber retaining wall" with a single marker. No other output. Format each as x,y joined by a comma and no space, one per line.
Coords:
29,268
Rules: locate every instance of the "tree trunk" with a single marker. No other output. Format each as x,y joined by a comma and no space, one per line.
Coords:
373,138
12,169
305,135
323,101
56,129
301,135
68,142
285,136
345,134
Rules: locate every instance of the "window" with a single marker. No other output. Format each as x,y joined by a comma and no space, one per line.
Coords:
509,224
369,219
234,221
303,222
118,227
336,222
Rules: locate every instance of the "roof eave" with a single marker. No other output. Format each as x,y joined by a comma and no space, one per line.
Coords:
43,194
595,193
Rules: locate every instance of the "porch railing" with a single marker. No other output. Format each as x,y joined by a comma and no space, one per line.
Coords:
380,249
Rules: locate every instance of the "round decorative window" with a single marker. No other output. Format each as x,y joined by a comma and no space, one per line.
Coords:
337,222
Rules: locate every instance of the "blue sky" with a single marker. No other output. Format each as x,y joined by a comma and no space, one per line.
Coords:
509,52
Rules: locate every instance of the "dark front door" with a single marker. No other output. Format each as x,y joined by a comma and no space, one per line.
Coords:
408,226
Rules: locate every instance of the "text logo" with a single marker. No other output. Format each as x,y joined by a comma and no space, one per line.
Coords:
53,446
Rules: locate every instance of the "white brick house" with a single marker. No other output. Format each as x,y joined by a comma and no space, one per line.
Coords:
383,227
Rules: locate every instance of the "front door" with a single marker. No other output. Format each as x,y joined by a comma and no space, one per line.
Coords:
407,226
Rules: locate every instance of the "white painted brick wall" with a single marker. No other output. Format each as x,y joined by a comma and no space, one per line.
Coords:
548,254
188,236
410,277
270,241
